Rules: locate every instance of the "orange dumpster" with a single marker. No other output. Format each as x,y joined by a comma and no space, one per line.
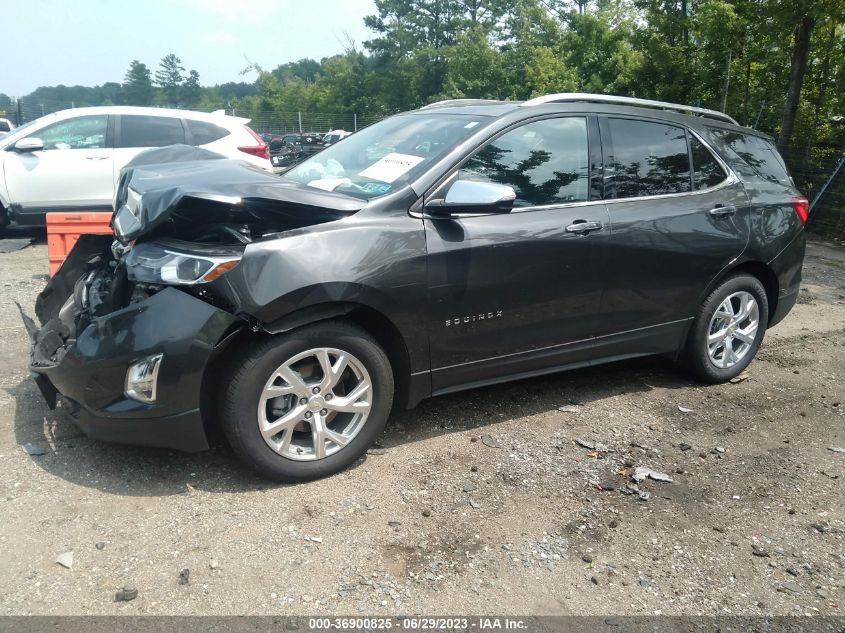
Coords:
63,229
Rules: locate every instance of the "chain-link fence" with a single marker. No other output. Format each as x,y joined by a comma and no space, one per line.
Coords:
270,121
274,122
821,177
29,109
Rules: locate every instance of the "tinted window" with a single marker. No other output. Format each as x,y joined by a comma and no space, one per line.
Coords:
758,153
545,162
149,131
4,126
203,132
650,159
85,132
707,172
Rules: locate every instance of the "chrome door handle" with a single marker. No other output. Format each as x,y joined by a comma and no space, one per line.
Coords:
582,227
722,211
96,157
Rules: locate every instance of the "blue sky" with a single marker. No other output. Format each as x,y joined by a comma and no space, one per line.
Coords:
89,42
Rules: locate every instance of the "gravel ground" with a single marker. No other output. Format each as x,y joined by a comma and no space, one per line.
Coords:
490,501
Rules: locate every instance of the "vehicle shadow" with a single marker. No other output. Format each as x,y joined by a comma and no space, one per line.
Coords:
18,237
38,233
150,472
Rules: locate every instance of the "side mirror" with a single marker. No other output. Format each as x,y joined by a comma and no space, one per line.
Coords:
29,144
469,196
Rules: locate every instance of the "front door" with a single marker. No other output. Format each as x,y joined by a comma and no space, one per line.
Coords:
73,171
519,292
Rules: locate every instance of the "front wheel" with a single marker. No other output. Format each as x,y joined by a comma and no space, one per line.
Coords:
306,404
728,329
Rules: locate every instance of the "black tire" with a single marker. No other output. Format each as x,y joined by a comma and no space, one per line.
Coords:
251,371
695,356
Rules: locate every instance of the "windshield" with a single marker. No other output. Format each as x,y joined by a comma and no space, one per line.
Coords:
21,131
384,156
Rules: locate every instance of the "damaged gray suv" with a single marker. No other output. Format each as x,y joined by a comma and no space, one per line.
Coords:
463,244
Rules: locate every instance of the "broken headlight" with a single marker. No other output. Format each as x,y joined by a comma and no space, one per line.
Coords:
133,201
159,263
127,219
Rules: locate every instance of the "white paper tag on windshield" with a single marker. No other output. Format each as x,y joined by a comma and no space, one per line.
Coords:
391,167
328,184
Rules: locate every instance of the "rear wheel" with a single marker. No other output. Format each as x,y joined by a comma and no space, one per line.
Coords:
307,404
728,330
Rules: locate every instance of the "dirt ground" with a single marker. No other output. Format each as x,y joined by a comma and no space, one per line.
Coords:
481,502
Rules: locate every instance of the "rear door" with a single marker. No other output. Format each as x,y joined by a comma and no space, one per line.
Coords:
519,292
678,217
135,133
73,171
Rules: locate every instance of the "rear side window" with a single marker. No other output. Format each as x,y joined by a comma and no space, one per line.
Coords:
545,162
149,131
758,153
203,132
649,159
707,172
4,126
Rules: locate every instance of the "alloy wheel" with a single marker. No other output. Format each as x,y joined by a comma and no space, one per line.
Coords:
733,329
314,404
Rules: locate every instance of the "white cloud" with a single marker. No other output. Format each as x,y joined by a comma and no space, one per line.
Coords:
213,38
236,8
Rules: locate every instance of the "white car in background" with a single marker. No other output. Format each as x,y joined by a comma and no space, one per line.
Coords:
334,136
71,160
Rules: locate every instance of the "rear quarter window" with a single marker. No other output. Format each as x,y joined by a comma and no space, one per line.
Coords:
755,152
203,132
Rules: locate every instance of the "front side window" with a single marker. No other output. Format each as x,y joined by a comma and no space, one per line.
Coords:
546,162
384,156
707,172
149,131
85,132
649,159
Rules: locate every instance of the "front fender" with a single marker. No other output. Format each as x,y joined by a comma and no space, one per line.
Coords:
377,262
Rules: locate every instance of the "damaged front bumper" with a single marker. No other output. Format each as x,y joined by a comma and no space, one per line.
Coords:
89,367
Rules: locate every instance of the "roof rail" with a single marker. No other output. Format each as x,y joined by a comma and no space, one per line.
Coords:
462,102
564,97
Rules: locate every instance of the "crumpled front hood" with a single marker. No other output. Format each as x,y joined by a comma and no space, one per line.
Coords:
180,178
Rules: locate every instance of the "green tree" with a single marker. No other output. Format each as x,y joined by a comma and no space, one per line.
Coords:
169,77
474,67
137,84
191,90
597,47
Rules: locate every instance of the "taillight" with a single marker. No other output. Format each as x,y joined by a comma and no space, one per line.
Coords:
260,148
802,208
